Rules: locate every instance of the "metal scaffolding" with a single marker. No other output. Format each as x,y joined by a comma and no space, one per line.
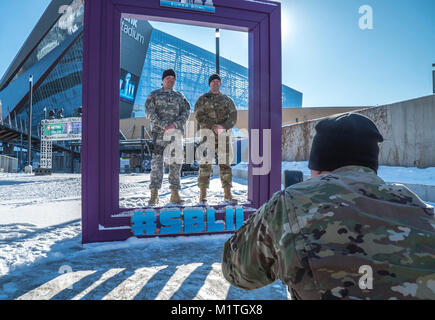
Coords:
46,151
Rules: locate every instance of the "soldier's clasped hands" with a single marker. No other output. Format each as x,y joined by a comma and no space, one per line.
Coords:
170,127
218,129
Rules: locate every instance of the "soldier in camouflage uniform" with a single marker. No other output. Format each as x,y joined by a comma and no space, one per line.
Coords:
316,235
216,111
167,110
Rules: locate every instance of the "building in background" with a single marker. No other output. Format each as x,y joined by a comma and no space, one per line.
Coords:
53,55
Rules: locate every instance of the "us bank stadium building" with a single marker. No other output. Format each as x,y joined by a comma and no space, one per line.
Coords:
52,55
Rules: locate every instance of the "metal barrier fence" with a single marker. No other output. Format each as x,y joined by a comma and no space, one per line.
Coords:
8,164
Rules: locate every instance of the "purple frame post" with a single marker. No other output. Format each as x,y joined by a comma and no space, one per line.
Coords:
101,72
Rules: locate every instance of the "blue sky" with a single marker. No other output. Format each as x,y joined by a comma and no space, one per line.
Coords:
325,53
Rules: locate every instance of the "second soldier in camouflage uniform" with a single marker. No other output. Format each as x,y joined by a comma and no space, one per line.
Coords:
167,109
216,111
322,237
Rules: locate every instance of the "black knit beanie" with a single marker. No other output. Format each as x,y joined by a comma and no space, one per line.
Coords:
169,72
345,140
214,77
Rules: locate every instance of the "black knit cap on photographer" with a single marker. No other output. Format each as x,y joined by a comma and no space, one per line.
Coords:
345,140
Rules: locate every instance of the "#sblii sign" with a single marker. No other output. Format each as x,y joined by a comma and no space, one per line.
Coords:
176,221
198,5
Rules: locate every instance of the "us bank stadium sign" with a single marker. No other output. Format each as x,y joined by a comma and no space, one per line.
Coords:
198,5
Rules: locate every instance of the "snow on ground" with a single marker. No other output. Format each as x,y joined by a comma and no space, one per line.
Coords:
389,174
135,193
41,256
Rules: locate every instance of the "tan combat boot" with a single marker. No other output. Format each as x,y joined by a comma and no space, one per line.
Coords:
228,197
203,195
175,197
154,197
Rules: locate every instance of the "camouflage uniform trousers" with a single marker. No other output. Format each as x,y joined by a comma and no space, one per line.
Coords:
157,166
226,173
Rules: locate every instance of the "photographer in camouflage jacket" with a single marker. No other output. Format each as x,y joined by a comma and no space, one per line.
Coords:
345,233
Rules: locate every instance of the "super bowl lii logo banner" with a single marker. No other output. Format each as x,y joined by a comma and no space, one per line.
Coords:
198,5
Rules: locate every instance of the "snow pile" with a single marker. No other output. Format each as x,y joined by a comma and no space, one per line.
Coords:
408,175
389,174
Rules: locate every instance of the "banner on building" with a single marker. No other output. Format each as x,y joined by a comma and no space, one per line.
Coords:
128,85
198,5
62,129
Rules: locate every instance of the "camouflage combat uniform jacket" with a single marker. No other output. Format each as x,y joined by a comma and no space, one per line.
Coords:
315,236
164,107
212,109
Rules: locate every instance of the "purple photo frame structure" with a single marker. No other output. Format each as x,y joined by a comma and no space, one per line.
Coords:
101,72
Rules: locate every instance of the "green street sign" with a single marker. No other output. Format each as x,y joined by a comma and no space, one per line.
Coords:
54,129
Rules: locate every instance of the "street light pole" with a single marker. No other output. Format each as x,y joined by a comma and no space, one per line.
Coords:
29,131
218,36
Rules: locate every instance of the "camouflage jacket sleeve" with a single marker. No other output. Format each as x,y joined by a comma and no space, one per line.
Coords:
152,115
184,114
232,115
201,116
250,258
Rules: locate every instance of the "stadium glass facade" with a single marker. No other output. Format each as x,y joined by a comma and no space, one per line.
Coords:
61,89
193,66
56,65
